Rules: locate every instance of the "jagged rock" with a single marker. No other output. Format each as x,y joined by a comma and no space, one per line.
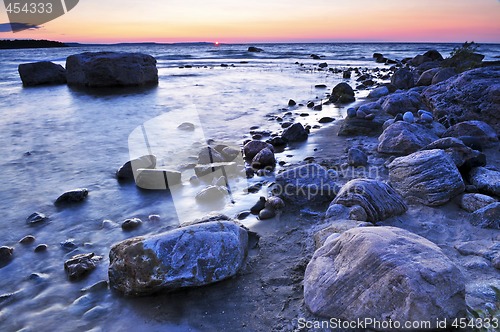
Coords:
477,129
457,150
356,157
264,159
399,277
474,202
486,180
377,198
251,149
487,217
426,78
342,93
295,133
429,177
190,256
111,69
403,79
129,169
41,73
443,74
472,95
80,265
72,196
402,102
307,184
402,138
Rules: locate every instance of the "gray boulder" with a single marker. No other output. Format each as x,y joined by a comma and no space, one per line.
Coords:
251,149
342,93
457,150
474,202
379,92
41,73
403,79
429,177
377,198
477,129
356,157
443,74
307,184
295,133
402,138
264,159
426,77
486,180
111,69
129,169
487,217
402,102
190,256
472,95
399,277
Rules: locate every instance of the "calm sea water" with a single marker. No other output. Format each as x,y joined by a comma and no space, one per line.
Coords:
56,138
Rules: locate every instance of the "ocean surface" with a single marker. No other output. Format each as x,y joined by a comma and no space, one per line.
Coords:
57,138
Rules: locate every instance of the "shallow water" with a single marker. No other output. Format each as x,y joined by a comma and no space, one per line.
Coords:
58,138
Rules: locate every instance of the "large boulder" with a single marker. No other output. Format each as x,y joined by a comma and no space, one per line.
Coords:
111,69
295,133
357,126
458,151
307,184
426,77
402,102
477,129
41,73
429,177
377,198
399,277
403,79
190,256
443,74
486,180
472,95
402,138
252,148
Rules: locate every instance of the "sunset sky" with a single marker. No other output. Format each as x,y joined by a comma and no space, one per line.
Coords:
109,21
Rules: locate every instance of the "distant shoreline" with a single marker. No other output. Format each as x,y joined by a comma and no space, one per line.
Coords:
22,44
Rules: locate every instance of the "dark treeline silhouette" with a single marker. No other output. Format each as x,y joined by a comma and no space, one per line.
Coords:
29,43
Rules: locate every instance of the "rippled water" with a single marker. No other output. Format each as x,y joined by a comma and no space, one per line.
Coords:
58,138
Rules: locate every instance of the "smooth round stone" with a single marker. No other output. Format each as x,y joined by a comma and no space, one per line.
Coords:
154,217
275,203
28,239
187,126
6,254
267,214
36,218
243,215
41,248
130,224
408,117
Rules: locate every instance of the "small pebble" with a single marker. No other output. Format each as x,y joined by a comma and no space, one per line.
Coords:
154,217
243,215
41,248
28,239
408,117
68,244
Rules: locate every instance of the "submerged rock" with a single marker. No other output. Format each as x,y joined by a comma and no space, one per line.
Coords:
402,138
429,177
111,69
377,198
72,196
307,184
80,265
399,277
189,256
129,169
131,224
42,73
36,218
255,49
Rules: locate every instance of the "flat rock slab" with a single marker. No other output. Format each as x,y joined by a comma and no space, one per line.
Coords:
189,256
429,177
111,69
383,273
